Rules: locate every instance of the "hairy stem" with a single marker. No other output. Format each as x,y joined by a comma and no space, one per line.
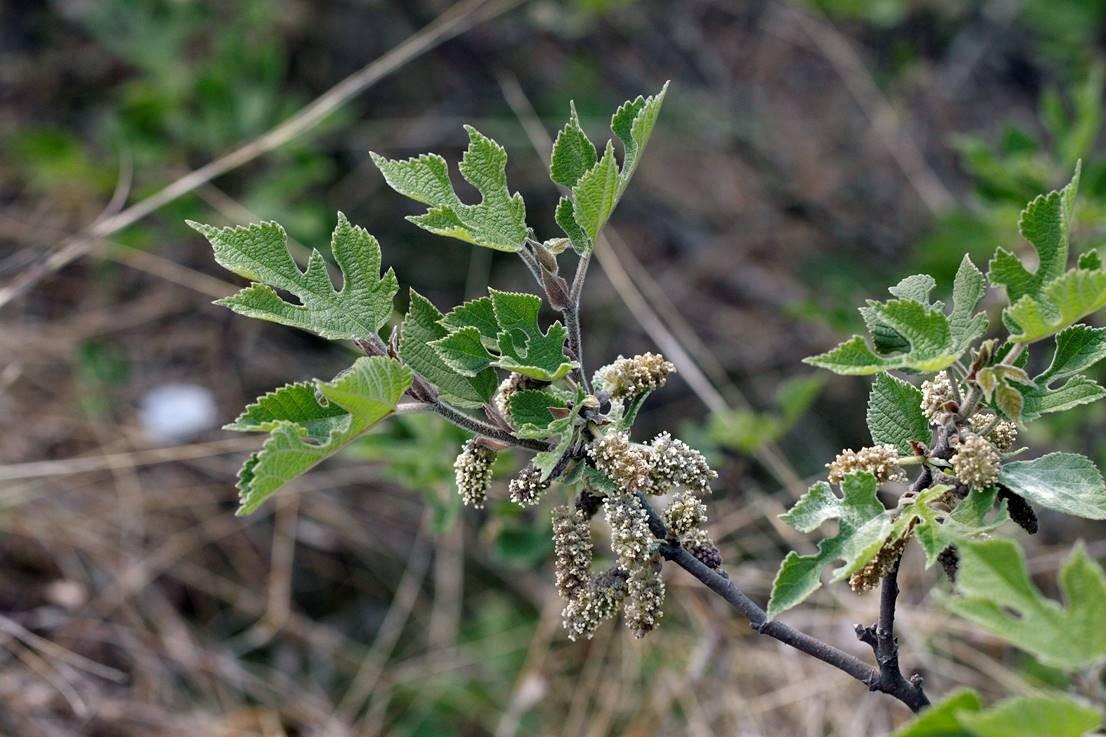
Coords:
572,320
908,693
374,346
462,420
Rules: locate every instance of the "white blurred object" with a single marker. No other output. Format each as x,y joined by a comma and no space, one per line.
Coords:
173,412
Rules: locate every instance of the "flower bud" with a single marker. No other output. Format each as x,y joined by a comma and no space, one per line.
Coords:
879,460
1004,433
936,393
976,462
627,378
676,464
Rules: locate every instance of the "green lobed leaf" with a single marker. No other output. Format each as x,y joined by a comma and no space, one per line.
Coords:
464,352
597,186
924,331
367,392
498,221
936,531
1078,347
476,313
633,123
1066,482
1046,224
1041,400
968,290
1063,301
296,403
862,529
260,252
523,347
420,329
573,152
595,194
531,407
895,413
996,593
1090,260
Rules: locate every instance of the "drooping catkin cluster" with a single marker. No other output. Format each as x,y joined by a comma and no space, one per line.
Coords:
663,465
473,472
594,603
684,518
645,592
527,488
675,463
631,539
1003,434
683,514
572,551
936,394
879,460
976,461
872,572
627,378
628,465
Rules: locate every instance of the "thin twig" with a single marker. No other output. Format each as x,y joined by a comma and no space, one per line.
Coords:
721,584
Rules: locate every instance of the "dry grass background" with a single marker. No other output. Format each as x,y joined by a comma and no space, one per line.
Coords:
133,602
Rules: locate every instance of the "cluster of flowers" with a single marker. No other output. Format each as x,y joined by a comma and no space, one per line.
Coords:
663,466
976,460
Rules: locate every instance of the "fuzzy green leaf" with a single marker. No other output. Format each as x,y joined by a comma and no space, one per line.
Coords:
596,194
1066,482
961,714
531,407
523,346
1042,400
968,291
297,403
573,153
923,328
996,593
936,531
1077,349
895,413
1033,716
498,221
366,393
633,123
597,186
260,252
464,352
943,718
476,313
1046,224
1061,302
565,216
420,329
862,529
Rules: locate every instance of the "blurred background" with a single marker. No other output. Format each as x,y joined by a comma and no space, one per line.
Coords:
810,153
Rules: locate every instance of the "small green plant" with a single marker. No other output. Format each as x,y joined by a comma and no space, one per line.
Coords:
946,402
